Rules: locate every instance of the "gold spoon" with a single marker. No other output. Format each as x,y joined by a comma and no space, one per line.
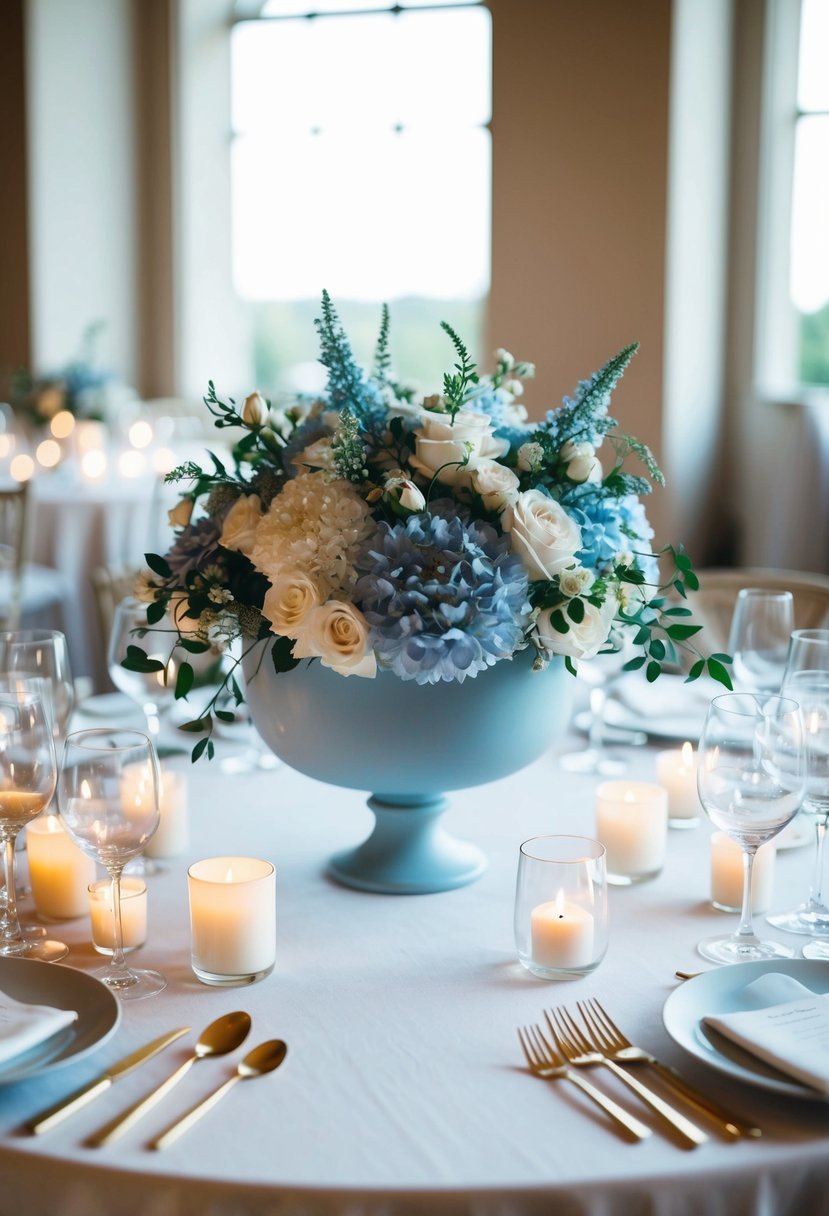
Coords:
217,1039
261,1060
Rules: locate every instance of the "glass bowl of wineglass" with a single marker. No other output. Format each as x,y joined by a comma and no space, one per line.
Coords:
152,690
28,771
42,654
108,801
758,641
751,778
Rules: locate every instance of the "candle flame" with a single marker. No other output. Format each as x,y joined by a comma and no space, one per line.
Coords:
53,824
86,789
687,755
629,796
229,875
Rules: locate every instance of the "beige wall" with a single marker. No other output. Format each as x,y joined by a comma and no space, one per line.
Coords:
580,168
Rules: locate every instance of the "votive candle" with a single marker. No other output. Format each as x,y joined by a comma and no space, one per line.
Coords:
133,914
727,875
58,871
632,824
562,934
232,919
171,837
676,771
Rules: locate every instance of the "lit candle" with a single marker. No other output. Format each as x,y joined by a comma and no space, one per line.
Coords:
58,871
133,914
562,934
632,824
171,837
676,770
232,919
727,875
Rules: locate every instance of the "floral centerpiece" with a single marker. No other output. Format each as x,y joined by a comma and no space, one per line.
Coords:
432,538
78,387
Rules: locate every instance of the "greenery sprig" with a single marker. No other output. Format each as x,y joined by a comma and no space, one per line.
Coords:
457,384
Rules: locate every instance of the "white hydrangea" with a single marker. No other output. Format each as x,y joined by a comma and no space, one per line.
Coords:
318,525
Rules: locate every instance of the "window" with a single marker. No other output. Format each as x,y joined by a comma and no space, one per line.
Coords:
361,164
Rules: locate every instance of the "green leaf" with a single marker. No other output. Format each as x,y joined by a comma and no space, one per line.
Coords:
136,660
680,587
575,611
722,658
158,565
657,649
192,646
225,715
156,611
696,671
720,674
197,726
184,680
199,749
634,664
691,581
676,611
681,633
558,622
570,665
642,636
211,750
282,655
683,562
653,671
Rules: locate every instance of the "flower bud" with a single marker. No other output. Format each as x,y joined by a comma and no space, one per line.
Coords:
255,410
179,516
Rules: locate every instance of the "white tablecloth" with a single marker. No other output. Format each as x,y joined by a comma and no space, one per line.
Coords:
404,1089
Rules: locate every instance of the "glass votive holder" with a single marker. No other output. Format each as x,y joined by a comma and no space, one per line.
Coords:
59,873
632,824
232,919
133,914
727,868
561,906
172,835
676,771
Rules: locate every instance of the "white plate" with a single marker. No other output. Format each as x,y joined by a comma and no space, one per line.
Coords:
36,983
116,706
720,991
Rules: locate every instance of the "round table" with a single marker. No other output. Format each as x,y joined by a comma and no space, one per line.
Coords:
404,1089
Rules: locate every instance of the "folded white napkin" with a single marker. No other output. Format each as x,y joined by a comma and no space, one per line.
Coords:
669,700
792,1034
25,1026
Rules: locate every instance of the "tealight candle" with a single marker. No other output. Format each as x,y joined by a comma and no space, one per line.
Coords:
232,919
172,835
727,875
632,824
562,934
58,871
676,771
133,914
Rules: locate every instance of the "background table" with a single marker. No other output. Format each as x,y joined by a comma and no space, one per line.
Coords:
404,1089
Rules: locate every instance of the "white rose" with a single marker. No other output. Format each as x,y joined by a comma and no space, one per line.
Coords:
440,445
240,524
288,601
496,484
576,582
530,456
318,455
405,490
582,462
581,641
542,533
255,410
337,634
179,515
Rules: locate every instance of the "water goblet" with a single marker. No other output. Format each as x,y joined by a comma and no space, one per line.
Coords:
28,771
153,691
108,801
42,654
751,779
759,638
806,680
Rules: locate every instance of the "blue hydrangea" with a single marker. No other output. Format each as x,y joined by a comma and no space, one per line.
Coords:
609,526
443,595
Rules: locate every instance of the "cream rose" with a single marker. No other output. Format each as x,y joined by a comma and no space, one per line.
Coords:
404,490
583,640
179,516
255,410
542,534
288,601
576,582
582,461
240,524
337,634
496,484
441,446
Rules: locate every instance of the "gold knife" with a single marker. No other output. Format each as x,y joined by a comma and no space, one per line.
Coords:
56,1114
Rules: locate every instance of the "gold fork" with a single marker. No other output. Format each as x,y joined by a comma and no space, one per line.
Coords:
545,1063
609,1039
579,1051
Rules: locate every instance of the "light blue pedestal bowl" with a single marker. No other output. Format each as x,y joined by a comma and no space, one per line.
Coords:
409,743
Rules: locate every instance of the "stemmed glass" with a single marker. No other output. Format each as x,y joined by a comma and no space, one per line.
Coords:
758,641
108,801
751,778
28,771
806,680
153,691
600,674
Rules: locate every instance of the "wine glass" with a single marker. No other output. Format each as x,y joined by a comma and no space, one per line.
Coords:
751,778
806,680
28,771
600,674
153,691
108,801
758,641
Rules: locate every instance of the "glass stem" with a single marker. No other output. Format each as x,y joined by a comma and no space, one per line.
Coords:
595,738
153,720
118,963
746,928
12,938
815,891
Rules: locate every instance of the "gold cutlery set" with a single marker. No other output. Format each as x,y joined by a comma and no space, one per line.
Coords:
569,1044
222,1036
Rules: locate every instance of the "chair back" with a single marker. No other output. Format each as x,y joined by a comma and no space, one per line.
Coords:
713,604
13,519
111,584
